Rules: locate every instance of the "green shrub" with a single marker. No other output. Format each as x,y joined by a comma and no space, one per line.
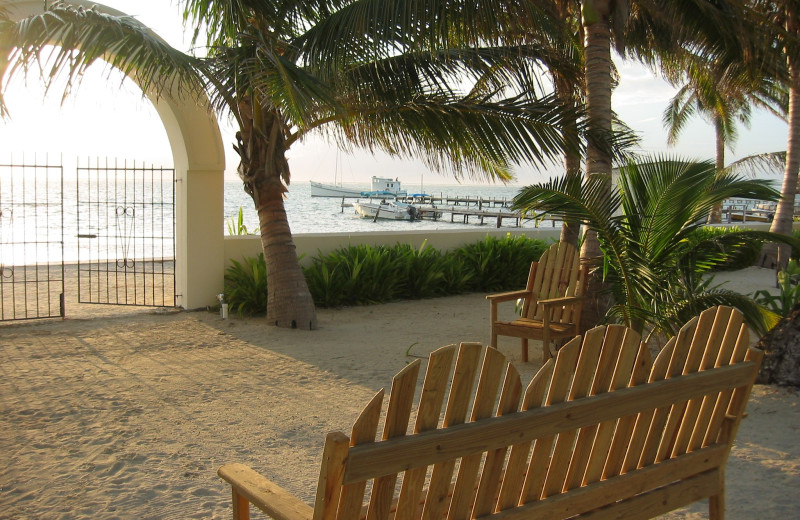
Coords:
789,296
365,274
499,264
246,286
748,250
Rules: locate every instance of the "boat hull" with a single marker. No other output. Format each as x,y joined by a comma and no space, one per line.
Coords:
319,189
375,210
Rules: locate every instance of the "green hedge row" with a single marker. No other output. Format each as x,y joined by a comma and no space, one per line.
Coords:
359,275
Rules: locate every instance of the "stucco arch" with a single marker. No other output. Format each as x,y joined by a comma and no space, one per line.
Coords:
199,161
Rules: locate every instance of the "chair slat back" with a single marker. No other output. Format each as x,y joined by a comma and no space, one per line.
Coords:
467,384
558,273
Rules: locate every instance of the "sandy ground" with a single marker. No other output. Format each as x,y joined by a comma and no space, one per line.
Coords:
128,415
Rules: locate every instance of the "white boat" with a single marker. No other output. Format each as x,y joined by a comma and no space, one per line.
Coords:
389,210
319,189
381,187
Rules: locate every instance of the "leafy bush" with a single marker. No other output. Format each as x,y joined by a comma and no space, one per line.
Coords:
789,296
246,286
500,264
364,274
748,250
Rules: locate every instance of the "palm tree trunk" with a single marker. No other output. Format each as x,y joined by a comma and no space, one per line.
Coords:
264,169
565,90
289,302
774,255
715,217
597,52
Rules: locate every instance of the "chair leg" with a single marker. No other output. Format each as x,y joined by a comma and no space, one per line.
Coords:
546,345
524,350
716,507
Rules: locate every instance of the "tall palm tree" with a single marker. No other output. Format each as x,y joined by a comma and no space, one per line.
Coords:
644,29
722,94
782,21
377,75
652,266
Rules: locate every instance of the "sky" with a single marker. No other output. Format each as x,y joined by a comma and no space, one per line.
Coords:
107,116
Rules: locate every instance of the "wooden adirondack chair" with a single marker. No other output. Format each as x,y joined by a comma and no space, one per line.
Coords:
600,432
553,301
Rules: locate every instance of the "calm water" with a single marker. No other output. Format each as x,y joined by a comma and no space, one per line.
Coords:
38,221
309,214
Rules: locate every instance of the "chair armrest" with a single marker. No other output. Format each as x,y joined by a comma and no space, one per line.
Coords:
560,301
264,494
508,296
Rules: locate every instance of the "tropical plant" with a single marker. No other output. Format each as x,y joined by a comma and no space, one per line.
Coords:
782,24
721,93
789,295
365,74
236,225
749,248
653,270
246,285
499,264
647,30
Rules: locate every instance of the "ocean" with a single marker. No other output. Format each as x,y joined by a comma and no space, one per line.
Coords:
309,214
35,226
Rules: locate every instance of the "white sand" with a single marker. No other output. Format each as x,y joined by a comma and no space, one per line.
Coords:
130,416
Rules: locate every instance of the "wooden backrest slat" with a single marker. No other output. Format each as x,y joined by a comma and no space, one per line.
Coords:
516,467
402,453
636,447
677,361
364,430
437,501
581,387
558,285
398,414
702,333
431,402
727,327
623,436
623,372
721,407
331,476
558,273
491,476
558,391
529,287
709,333
611,345
486,395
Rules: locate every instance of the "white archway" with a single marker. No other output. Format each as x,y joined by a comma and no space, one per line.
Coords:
199,161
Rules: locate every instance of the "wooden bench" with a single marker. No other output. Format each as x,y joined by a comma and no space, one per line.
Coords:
600,432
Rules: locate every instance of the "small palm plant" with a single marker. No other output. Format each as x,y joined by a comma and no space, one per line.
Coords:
651,264
782,303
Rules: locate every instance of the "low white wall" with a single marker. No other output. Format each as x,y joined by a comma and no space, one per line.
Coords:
312,244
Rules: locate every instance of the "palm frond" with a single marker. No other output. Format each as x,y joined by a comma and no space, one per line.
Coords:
66,40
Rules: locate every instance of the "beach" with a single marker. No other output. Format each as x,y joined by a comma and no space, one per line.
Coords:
129,414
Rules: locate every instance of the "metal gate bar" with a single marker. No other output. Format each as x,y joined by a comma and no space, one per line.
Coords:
126,234
31,240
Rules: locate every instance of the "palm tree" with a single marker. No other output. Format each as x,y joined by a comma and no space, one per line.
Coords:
368,74
651,265
644,29
782,21
723,94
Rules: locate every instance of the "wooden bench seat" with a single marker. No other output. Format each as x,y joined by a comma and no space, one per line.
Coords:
601,431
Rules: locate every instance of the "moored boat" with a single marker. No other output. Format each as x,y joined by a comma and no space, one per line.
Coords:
383,209
381,187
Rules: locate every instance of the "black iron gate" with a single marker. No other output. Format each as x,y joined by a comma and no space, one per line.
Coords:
31,240
126,234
